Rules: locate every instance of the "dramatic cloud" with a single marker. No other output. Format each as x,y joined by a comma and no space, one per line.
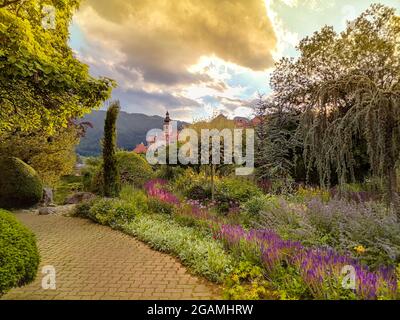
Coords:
138,100
197,57
162,39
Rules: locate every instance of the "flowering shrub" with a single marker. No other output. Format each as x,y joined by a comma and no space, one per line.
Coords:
197,210
156,189
320,270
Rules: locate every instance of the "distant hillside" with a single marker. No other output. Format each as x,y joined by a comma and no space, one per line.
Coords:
131,128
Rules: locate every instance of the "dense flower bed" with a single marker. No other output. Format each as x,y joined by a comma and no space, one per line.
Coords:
156,188
320,270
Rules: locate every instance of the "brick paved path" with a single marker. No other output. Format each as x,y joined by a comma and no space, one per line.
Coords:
96,262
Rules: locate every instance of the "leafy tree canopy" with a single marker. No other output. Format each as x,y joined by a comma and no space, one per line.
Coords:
51,156
276,142
347,89
42,84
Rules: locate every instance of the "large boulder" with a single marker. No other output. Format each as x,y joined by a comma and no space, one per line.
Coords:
20,185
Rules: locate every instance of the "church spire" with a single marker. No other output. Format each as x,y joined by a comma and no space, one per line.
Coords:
167,118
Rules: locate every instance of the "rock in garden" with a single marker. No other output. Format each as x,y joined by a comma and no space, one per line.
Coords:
44,211
47,196
80,197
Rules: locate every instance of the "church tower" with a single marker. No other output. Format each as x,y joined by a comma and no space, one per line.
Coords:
167,122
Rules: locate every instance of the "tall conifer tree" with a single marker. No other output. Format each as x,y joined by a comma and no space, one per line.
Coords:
110,169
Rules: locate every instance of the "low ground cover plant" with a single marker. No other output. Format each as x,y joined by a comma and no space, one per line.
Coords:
247,282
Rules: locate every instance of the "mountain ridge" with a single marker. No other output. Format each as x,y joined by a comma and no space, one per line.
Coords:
131,131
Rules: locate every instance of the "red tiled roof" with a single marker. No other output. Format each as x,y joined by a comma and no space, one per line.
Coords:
140,148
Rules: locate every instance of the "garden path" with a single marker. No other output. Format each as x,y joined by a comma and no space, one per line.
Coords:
95,262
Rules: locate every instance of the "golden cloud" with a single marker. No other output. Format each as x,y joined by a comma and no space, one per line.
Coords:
162,38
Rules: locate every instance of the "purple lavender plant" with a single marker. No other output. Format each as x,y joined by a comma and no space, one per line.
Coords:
320,269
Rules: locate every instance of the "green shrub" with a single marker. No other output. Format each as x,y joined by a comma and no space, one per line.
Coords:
235,189
133,169
82,209
135,196
199,192
97,180
89,172
254,206
232,192
204,255
282,186
185,183
113,212
88,179
156,205
247,282
19,257
20,185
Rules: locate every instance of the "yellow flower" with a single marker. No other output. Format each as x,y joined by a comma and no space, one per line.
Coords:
235,278
360,249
